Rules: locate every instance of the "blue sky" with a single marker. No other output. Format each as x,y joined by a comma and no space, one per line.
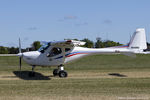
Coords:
48,20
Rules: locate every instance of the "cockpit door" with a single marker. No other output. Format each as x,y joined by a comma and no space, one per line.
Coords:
56,55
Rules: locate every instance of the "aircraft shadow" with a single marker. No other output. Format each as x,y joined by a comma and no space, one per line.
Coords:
117,74
25,75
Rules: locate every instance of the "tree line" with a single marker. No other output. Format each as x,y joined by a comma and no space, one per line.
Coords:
14,50
89,44
100,43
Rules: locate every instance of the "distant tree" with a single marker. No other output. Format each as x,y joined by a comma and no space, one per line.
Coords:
3,50
99,43
148,47
88,44
109,43
13,50
36,45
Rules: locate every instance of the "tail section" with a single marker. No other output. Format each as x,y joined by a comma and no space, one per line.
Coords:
138,40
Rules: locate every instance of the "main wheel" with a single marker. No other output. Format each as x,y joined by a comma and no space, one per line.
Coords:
63,74
55,72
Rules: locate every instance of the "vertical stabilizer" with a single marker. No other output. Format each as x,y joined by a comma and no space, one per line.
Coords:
138,40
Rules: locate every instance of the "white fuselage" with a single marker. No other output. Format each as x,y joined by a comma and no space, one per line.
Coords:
41,59
79,52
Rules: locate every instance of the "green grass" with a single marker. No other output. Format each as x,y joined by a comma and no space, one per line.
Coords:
88,79
112,62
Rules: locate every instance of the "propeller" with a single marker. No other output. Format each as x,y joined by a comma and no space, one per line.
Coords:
20,64
20,55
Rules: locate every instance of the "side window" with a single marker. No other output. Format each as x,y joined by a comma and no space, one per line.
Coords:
67,49
55,51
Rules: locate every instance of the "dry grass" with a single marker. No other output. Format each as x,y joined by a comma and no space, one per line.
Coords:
79,97
87,74
60,98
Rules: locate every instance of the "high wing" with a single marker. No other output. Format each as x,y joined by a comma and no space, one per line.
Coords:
68,43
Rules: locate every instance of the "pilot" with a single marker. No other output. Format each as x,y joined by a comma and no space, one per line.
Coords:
54,51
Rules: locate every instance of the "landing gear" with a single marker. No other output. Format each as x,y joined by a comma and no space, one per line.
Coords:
32,74
63,74
55,72
60,72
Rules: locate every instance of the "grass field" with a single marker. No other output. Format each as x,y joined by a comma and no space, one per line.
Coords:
99,77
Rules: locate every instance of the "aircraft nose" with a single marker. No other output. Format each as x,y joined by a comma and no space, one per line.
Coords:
30,55
20,54
26,54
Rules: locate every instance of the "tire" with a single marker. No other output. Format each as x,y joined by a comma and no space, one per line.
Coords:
63,74
55,72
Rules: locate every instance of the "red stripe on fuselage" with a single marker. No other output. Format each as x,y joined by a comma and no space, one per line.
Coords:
75,54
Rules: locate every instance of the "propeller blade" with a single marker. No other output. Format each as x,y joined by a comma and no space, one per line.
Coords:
20,58
19,46
20,62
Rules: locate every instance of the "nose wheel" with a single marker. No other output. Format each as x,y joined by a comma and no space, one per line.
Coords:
60,72
32,74
55,72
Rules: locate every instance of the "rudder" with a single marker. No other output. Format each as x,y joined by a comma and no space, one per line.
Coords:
138,40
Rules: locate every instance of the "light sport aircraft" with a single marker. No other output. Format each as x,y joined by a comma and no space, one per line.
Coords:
61,52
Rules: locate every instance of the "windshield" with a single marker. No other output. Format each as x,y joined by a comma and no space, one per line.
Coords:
44,47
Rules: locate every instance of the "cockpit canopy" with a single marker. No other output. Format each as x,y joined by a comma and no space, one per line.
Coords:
44,47
54,51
